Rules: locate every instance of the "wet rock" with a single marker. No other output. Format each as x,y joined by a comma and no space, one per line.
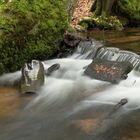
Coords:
65,52
123,101
106,70
120,104
52,68
71,40
32,77
68,45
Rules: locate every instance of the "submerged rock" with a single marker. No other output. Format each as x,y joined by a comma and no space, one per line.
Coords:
52,68
32,77
106,70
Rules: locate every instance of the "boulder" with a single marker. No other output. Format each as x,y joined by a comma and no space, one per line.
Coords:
68,44
32,77
106,70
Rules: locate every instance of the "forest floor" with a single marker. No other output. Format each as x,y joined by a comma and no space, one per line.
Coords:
82,10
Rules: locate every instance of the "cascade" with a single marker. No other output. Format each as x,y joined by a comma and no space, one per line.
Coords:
90,49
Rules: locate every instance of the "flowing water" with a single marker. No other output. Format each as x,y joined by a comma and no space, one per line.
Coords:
128,39
70,105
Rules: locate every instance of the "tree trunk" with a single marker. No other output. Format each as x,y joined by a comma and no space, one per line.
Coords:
103,7
127,10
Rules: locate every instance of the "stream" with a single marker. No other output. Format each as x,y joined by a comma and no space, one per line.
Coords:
70,105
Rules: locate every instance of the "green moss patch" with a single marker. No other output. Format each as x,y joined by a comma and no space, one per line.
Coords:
30,29
101,22
131,8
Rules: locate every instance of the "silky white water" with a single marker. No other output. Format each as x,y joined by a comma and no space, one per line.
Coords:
67,92
70,82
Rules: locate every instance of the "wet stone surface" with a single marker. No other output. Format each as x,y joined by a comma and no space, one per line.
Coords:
106,70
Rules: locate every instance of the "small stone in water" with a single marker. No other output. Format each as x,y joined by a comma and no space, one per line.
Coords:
123,101
52,68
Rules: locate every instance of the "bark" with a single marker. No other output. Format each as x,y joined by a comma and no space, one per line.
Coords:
127,10
103,7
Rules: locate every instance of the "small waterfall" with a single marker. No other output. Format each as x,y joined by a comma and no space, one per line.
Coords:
90,49
87,49
115,54
128,56
107,53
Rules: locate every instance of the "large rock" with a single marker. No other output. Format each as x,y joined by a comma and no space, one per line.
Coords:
69,44
106,70
32,77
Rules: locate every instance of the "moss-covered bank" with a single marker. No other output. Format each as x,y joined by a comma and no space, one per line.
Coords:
113,14
30,29
130,9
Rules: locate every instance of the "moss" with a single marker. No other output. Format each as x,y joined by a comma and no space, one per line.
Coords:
102,22
128,11
98,7
131,8
123,20
30,29
87,22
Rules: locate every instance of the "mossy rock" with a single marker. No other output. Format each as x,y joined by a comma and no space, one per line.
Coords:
32,79
30,29
86,22
130,9
102,22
